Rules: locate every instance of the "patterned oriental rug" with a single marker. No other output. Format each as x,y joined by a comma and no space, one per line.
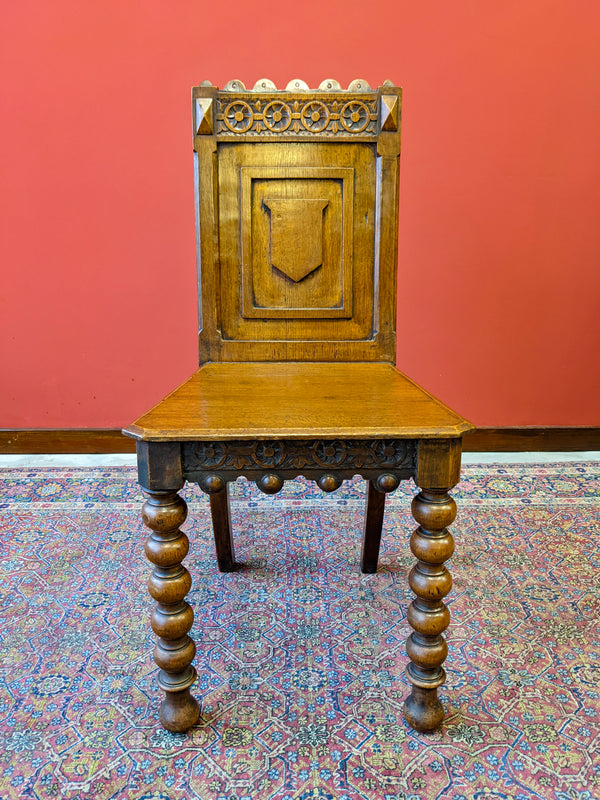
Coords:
301,658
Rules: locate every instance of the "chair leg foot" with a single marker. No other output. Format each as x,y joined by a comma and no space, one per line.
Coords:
423,710
172,617
431,544
372,529
179,711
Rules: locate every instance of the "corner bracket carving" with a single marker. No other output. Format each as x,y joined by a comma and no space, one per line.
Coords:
204,114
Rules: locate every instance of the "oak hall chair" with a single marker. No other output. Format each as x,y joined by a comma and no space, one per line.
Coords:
297,219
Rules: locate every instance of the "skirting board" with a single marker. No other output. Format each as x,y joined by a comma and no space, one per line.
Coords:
481,440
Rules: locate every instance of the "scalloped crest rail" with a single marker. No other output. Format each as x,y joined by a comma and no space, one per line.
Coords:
297,85
297,219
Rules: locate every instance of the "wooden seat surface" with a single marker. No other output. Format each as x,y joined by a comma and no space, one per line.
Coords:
297,400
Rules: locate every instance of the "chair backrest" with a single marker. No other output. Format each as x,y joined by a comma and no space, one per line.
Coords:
297,220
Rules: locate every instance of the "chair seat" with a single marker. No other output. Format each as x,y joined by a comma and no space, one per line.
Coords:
297,400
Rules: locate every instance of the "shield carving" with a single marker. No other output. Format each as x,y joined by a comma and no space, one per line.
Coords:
296,235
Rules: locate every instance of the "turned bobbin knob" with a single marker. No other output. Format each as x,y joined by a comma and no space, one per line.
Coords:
270,483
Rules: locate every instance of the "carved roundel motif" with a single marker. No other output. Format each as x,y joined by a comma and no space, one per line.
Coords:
238,116
355,116
277,116
268,454
330,454
315,116
211,454
390,451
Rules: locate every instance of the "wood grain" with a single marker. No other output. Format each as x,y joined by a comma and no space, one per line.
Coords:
297,400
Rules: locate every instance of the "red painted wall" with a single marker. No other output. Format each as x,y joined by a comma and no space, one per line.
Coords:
500,193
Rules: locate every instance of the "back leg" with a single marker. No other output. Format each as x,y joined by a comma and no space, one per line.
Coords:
372,530
221,520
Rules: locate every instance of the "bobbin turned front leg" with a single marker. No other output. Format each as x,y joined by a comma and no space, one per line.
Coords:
169,583
431,544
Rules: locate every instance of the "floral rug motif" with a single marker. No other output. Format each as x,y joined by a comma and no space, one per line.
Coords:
300,657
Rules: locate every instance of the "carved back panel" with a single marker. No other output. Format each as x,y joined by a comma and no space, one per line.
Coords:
297,217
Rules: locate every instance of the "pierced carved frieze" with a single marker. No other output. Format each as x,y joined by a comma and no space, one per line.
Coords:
296,114
299,456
